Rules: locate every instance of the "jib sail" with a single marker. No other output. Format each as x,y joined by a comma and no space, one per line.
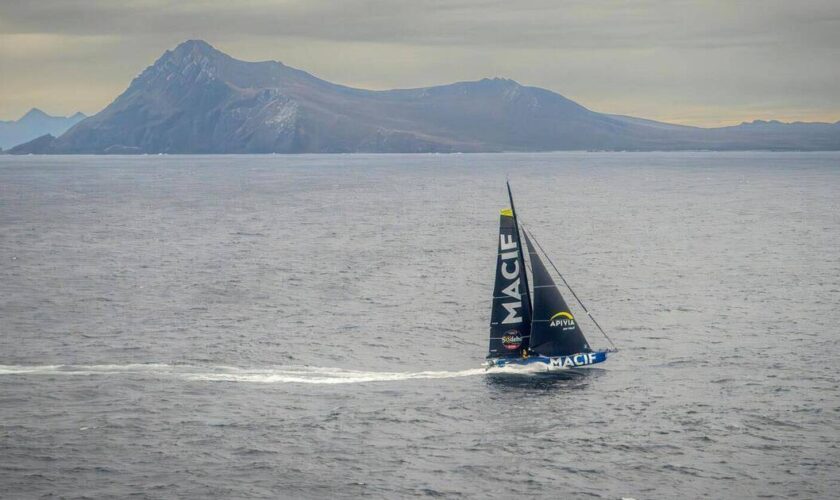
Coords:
554,331
510,321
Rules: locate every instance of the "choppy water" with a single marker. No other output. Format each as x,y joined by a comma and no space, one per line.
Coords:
313,326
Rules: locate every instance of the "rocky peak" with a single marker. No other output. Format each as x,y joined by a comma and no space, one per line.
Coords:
193,50
191,62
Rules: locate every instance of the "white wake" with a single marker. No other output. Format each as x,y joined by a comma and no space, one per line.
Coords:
281,374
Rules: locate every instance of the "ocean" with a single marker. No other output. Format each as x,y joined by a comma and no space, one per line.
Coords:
314,326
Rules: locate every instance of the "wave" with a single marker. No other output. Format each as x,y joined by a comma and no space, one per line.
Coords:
282,374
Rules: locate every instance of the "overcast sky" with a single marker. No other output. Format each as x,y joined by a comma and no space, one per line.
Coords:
694,62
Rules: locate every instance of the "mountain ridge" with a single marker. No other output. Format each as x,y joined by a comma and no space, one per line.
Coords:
35,123
197,99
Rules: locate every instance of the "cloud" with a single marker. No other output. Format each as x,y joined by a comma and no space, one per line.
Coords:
526,23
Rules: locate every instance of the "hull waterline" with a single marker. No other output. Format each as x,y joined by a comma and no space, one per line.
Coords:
543,364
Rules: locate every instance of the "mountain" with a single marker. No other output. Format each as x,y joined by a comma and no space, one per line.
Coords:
196,99
33,124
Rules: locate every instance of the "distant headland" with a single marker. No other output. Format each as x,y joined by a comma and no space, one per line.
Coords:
196,99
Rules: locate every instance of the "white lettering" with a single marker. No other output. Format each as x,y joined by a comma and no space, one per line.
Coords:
509,275
512,290
563,322
512,313
506,242
509,255
510,272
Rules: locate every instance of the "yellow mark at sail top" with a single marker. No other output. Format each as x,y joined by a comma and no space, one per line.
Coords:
507,212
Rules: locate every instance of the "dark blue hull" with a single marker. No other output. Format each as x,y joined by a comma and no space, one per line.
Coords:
548,363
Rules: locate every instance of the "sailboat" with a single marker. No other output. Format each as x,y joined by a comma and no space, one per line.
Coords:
533,328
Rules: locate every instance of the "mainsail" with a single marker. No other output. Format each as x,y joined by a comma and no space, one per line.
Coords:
554,331
510,321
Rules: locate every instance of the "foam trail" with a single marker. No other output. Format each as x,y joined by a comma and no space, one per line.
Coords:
329,377
283,374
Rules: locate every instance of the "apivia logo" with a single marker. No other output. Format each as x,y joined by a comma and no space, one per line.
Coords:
512,340
563,320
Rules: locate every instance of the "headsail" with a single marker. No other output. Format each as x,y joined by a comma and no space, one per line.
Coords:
510,321
554,331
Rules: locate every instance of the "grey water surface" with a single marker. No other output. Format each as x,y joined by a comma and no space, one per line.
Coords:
313,327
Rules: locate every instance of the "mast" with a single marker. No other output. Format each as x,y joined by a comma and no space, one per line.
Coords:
525,287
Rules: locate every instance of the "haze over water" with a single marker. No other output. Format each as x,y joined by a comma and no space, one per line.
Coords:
313,326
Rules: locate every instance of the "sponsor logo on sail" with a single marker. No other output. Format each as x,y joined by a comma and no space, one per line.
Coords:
563,320
510,271
512,340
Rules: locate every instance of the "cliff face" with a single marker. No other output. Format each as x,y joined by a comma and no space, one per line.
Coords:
195,99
